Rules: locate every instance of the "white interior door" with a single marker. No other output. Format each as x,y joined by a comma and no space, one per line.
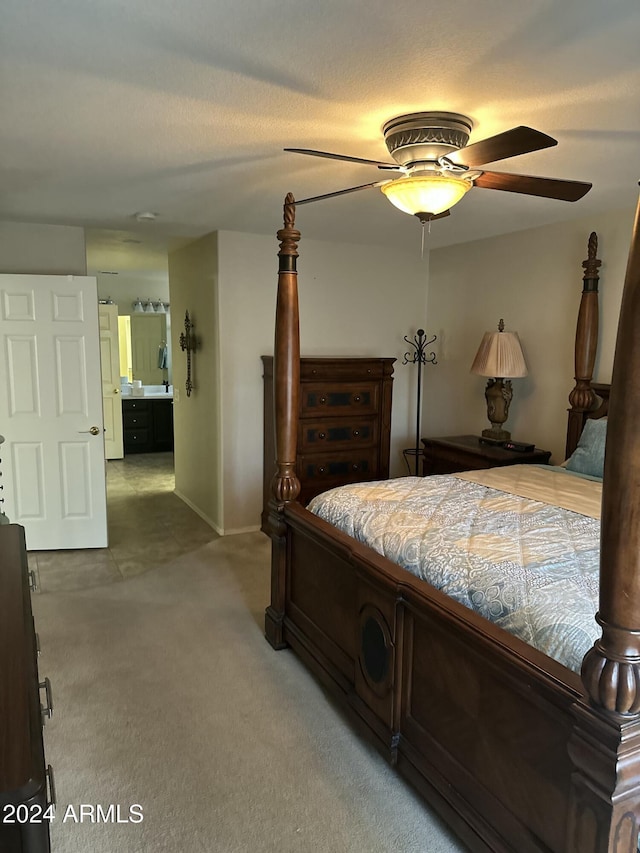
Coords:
110,367
51,410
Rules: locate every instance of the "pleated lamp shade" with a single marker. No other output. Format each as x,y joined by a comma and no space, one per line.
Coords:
500,355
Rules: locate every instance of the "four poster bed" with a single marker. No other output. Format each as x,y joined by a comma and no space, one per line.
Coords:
517,751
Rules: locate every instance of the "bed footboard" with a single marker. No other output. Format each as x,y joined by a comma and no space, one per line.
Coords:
498,738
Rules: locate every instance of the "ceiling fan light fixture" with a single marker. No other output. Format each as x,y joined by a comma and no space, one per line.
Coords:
430,194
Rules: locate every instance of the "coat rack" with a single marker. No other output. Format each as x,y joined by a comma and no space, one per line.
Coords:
419,357
188,345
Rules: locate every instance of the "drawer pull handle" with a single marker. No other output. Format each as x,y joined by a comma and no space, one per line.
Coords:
47,711
356,432
33,581
355,467
323,399
322,435
357,398
53,800
321,469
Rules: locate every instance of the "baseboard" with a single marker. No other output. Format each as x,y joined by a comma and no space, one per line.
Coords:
199,512
254,528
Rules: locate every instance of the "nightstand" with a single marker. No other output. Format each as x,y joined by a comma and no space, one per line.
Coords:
466,453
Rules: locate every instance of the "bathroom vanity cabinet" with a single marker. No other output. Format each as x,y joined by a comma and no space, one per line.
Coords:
148,424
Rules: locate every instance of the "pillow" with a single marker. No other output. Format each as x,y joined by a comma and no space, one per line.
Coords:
588,457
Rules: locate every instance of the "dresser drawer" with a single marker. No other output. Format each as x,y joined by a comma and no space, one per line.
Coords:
344,369
136,405
336,434
324,470
135,437
348,398
135,419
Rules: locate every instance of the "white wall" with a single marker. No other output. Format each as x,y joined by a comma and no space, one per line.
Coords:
533,279
42,249
125,288
193,273
354,301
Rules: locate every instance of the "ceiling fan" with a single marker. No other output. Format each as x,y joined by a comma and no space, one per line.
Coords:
430,150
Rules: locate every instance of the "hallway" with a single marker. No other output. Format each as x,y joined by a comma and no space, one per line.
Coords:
148,526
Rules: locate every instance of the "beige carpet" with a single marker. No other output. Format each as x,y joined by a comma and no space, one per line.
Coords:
167,695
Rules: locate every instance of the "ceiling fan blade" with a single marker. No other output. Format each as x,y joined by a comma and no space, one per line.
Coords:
379,163
528,185
340,192
518,140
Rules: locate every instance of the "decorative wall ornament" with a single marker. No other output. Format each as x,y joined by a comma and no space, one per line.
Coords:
419,357
188,345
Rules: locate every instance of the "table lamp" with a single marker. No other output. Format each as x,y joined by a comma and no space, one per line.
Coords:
500,358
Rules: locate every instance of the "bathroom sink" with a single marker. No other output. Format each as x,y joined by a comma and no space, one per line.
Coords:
157,391
147,391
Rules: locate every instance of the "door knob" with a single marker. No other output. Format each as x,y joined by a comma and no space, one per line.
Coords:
94,430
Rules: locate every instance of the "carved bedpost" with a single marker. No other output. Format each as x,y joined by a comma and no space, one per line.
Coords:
605,748
285,485
583,397
611,670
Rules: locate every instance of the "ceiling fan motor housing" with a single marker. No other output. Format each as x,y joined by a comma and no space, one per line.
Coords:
424,137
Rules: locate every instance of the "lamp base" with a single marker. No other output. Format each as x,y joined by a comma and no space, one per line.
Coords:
498,394
495,436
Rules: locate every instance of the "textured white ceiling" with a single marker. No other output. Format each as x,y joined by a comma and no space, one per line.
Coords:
183,107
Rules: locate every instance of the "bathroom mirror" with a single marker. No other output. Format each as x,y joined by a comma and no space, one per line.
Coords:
145,347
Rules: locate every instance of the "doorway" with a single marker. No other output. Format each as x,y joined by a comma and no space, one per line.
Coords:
148,527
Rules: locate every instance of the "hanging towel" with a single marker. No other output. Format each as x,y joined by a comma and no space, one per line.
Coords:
162,356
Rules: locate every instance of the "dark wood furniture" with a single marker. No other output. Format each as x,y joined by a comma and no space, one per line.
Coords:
516,752
23,775
344,423
148,425
467,453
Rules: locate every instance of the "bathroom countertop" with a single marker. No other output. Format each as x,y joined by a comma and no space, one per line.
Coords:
160,396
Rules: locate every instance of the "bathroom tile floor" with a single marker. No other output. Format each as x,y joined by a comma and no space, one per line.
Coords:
148,525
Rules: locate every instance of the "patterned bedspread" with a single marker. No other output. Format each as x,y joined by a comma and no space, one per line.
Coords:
527,565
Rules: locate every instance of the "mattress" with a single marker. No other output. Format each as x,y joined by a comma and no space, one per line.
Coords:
518,545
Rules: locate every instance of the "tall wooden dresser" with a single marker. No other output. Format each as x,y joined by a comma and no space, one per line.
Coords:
25,780
344,427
